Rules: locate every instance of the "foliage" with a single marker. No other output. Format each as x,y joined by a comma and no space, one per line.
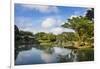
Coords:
83,27
90,14
45,38
27,33
82,37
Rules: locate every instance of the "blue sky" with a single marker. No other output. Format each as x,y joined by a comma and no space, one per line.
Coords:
44,18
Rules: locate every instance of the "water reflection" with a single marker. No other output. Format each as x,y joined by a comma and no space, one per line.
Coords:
38,55
27,57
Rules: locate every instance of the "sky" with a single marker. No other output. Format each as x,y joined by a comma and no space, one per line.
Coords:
45,18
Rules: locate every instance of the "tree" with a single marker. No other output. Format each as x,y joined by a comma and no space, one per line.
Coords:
26,33
16,32
82,26
69,36
16,29
90,14
45,39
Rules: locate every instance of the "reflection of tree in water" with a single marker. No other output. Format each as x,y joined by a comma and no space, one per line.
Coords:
78,55
25,47
24,40
71,57
86,54
83,36
21,48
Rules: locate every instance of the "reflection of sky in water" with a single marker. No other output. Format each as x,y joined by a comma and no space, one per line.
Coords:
48,58
29,57
61,51
36,56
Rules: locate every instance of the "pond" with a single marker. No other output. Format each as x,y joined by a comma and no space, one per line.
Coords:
38,55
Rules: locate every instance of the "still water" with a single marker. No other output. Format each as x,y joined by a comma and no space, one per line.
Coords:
41,56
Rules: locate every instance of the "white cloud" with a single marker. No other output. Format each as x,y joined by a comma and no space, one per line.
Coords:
23,22
88,8
59,30
48,23
56,30
29,29
73,16
42,8
79,13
